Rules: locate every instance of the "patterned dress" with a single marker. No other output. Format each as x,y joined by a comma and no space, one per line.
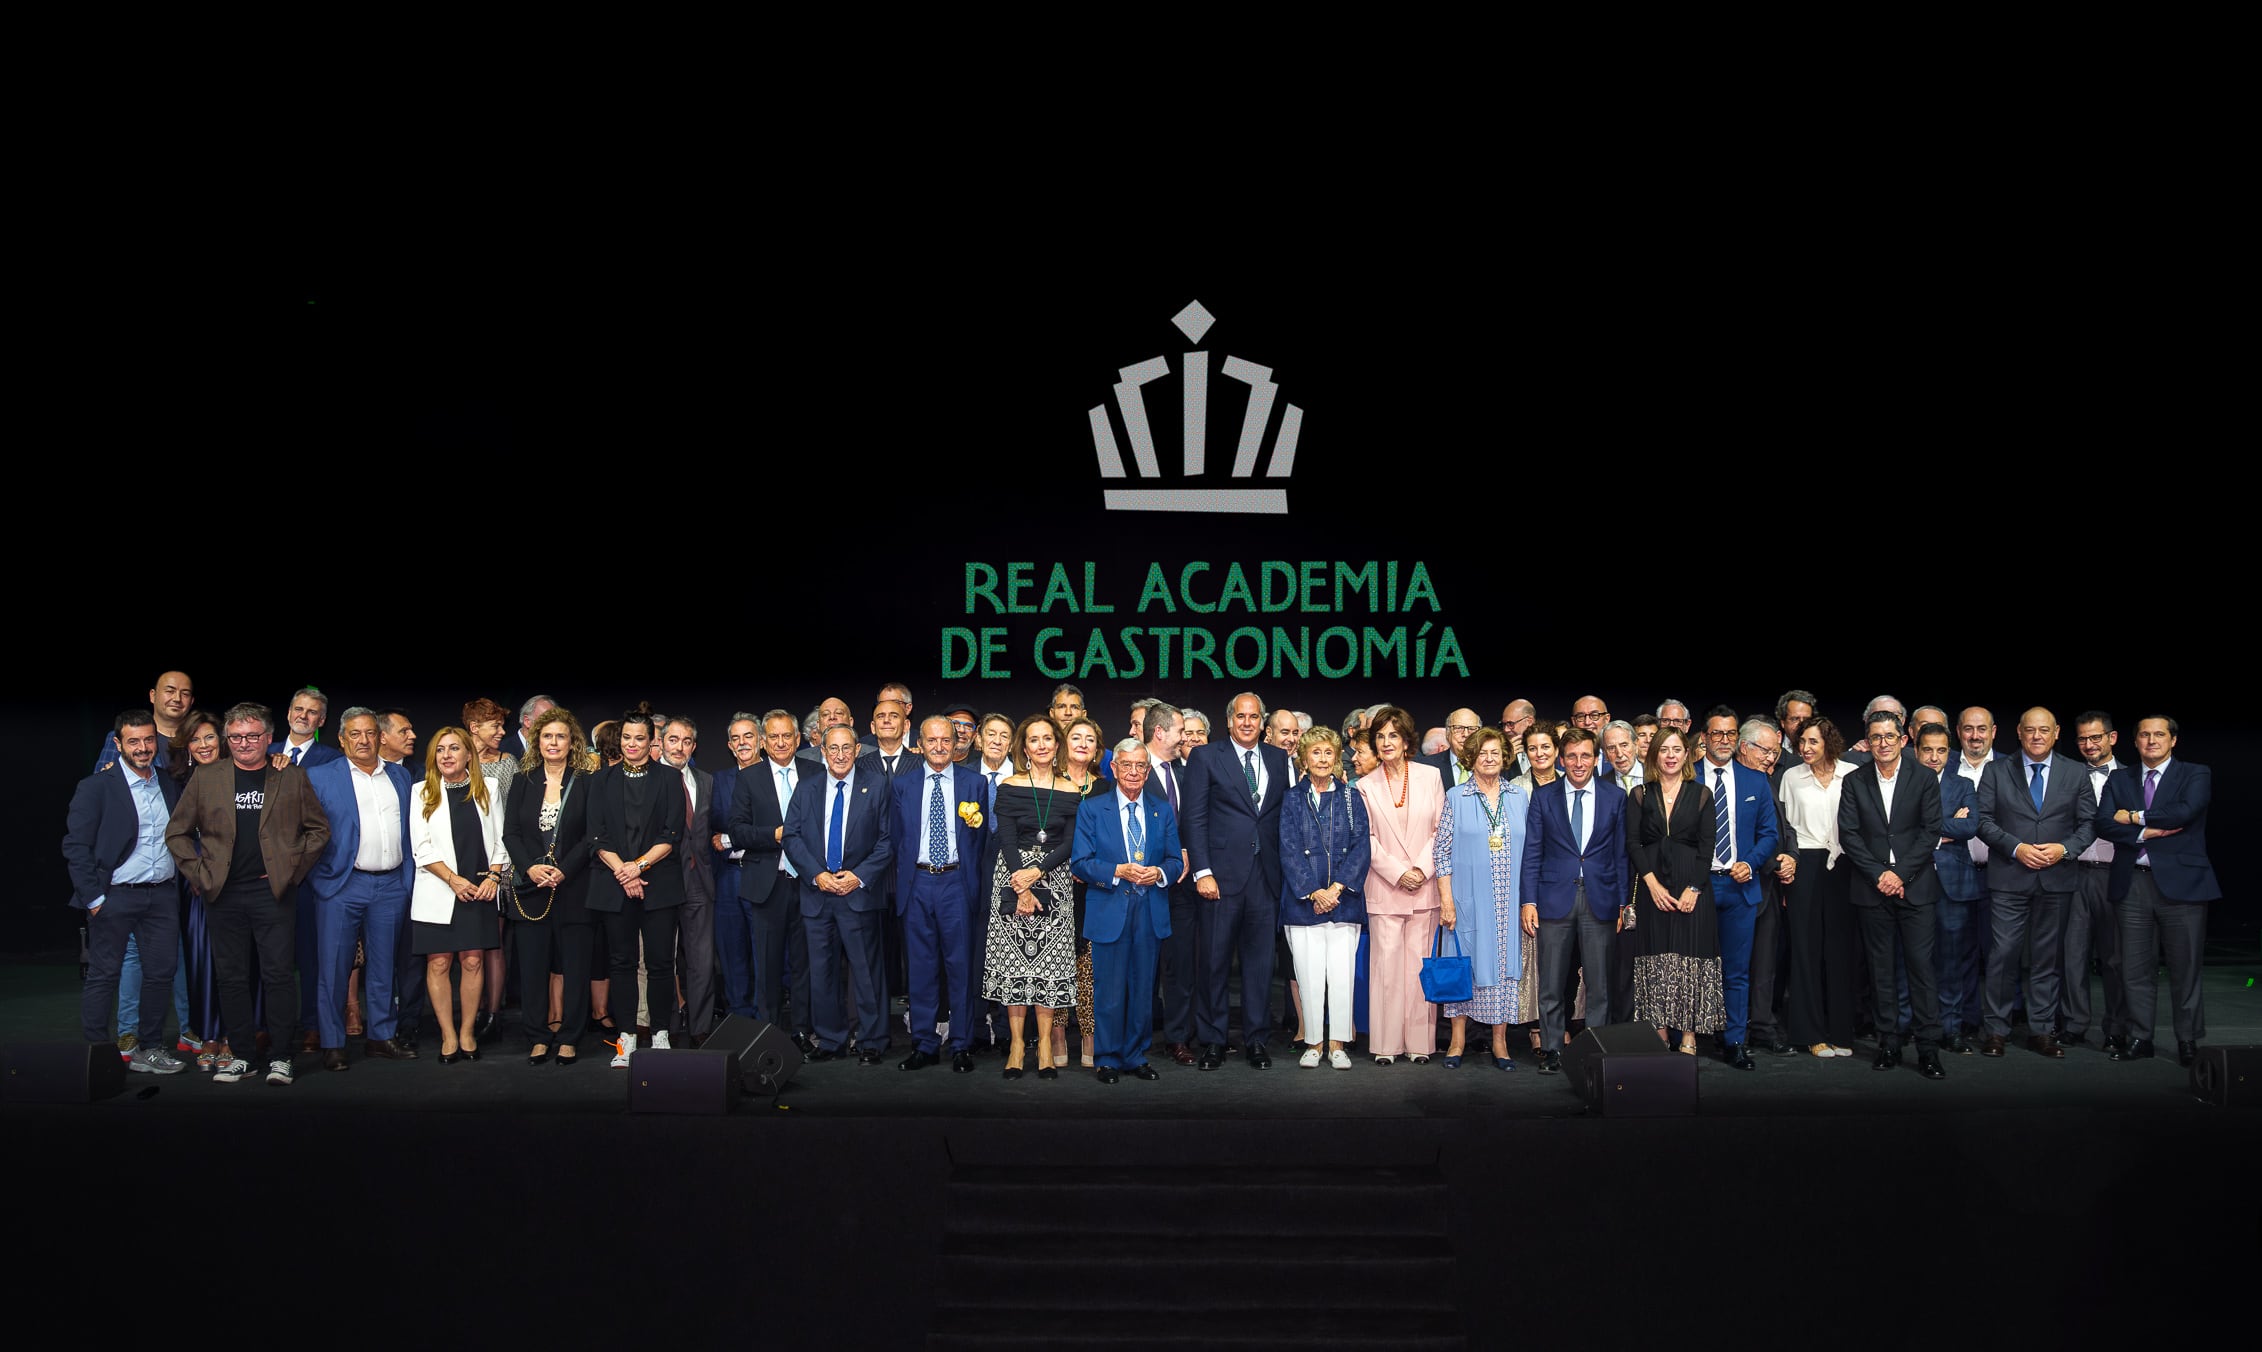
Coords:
1495,873
1677,972
1031,959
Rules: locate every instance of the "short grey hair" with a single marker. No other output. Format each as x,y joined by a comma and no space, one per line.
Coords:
685,719
355,712
247,712
1128,745
1620,725
528,709
1748,734
1671,703
1303,721
744,717
1195,716
809,723
1880,702
310,690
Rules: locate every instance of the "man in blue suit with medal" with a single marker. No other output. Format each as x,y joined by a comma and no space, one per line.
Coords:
1126,851
939,821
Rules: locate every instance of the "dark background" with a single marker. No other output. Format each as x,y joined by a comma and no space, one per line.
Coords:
415,480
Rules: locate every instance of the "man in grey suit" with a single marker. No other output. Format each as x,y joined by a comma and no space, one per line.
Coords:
2036,815
695,922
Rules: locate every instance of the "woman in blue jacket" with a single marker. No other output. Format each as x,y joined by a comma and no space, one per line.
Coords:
1323,865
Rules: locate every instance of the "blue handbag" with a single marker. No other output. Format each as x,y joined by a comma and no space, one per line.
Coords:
1447,980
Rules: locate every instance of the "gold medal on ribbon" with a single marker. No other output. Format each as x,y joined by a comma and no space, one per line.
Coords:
1498,842
1138,856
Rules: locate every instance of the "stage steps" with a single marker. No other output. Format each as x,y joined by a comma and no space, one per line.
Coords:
1244,1258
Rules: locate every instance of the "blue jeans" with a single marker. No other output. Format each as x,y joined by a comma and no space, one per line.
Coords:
129,991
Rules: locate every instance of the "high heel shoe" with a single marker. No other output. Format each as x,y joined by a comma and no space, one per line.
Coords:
538,1057
1048,1073
450,1058
1013,1072
564,1060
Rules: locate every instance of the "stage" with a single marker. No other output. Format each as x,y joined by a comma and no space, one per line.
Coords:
878,1208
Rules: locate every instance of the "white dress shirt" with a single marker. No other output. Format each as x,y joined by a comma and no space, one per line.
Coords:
380,807
1721,779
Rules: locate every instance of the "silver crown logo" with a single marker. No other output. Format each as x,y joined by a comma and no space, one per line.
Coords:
1194,321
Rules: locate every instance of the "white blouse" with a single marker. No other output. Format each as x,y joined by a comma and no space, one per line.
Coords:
1810,809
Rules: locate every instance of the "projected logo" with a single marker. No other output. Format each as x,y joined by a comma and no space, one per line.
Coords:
1194,398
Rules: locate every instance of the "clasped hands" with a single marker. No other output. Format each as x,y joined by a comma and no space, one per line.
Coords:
1666,901
839,884
1145,875
465,890
545,875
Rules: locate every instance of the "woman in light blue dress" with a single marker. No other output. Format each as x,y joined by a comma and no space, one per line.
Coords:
1480,841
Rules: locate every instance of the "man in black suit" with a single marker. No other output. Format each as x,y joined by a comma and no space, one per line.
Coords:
1181,952
2092,927
1888,822
695,921
830,713
1233,792
122,876
769,891
2162,882
2035,815
1458,725
535,707
837,837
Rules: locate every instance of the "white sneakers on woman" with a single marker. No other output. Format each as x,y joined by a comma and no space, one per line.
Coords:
1340,1059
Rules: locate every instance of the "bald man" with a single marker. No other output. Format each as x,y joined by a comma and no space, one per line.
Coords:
2037,815
1458,725
1517,716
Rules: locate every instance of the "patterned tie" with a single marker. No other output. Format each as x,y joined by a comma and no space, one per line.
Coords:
2151,782
1249,772
832,833
1133,828
785,800
1723,835
2038,767
938,849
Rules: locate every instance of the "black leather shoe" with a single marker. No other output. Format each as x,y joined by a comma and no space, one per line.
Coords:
1778,1047
870,1056
334,1058
962,1063
1257,1057
1143,1071
2140,1049
2042,1044
1107,1074
1888,1056
1739,1056
806,1044
2186,1053
1213,1056
389,1050
2114,1044
1928,1065
2073,1039
918,1061
1550,1063
1962,1045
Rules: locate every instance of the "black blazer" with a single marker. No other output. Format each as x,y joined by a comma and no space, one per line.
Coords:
754,817
527,842
1908,839
608,830
104,828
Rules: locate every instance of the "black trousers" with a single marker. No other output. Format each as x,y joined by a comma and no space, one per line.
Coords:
2093,930
657,928
1180,965
532,944
2151,924
1911,923
773,899
244,921
150,914
1821,920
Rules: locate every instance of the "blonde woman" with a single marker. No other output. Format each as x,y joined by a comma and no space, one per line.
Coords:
455,835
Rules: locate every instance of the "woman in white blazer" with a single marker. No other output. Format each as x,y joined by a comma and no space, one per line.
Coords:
455,833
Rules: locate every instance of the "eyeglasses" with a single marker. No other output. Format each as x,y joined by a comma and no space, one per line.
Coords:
960,723
1595,717
247,737
1463,727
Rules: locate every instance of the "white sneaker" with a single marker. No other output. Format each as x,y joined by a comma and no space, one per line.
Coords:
1310,1059
279,1072
231,1070
660,1040
1340,1059
624,1049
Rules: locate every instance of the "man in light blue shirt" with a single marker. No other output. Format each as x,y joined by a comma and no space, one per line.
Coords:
122,877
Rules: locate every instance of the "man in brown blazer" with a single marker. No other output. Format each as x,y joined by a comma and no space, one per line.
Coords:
245,834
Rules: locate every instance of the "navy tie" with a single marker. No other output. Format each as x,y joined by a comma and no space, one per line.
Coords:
832,833
2038,768
1723,835
1578,827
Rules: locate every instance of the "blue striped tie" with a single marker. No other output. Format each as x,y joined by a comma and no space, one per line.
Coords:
1723,835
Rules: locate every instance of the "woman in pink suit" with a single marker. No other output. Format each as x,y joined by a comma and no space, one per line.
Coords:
1404,802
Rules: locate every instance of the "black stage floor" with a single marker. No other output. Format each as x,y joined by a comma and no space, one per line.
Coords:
2019,1197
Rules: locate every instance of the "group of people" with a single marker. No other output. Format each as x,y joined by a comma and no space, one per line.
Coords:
1017,878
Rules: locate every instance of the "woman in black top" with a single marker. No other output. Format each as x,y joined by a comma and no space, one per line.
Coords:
456,836
547,832
1669,835
636,818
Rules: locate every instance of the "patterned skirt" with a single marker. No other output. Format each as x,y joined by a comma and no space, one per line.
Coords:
1031,959
1675,991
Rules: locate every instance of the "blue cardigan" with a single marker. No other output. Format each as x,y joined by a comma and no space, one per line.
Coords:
1305,861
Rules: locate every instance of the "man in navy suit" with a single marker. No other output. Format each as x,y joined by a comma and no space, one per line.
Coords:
302,746
122,876
1127,852
1233,792
734,946
769,891
360,887
837,837
2162,882
1889,824
1743,840
1575,867
170,701
2036,815
940,817
1955,955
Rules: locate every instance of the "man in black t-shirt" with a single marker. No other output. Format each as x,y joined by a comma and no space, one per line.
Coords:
245,834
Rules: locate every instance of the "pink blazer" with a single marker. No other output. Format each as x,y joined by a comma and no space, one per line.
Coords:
1402,838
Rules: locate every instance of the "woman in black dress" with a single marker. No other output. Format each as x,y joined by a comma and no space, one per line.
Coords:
604,744
1669,835
636,819
1030,957
455,834
547,832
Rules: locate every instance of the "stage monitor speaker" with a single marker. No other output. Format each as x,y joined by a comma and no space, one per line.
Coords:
767,1058
1623,1070
703,1081
60,1072
2228,1077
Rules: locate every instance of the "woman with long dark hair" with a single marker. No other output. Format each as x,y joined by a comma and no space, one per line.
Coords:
1818,912
196,989
1030,960
1669,835
546,829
